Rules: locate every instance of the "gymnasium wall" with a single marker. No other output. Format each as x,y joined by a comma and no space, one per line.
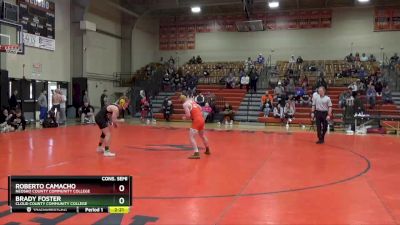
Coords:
349,25
144,42
55,64
101,56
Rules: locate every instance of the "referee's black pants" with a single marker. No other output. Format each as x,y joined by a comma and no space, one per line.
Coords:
322,124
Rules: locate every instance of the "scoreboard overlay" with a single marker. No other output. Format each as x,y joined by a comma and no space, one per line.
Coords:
78,194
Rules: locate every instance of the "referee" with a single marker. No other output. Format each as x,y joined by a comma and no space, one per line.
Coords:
322,112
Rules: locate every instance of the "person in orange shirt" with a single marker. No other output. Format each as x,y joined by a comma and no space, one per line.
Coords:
264,99
194,112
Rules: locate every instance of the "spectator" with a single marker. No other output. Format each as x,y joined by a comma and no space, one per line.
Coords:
166,82
199,60
378,88
56,99
4,117
279,111
145,107
353,87
227,112
305,100
253,80
372,58
290,109
264,99
394,59
362,74
248,64
292,59
42,101
357,57
104,99
321,81
177,83
17,121
299,93
184,82
360,86
50,121
387,95
279,91
267,107
230,80
200,99
168,110
192,84
299,60
12,102
207,110
171,61
350,58
304,82
63,101
343,97
364,58
87,113
349,111
260,59
206,73
245,81
192,60
371,95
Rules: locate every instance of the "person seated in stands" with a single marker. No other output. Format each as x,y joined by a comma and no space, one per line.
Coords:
50,121
378,88
300,91
299,60
387,94
278,111
185,81
364,58
192,60
245,81
361,86
200,99
372,58
87,113
349,58
260,59
166,82
305,100
248,64
362,74
230,80
292,59
207,111
227,112
177,83
304,82
4,117
321,81
371,95
199,60
394,59
264,100
192,84
290,109
17,121
357,57
267,107
171,61
343,96
279,91
168,109
290,87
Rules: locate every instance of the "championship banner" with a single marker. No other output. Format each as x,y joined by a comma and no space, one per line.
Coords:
315,19
395,19
383,19
293,20
326,18
39,42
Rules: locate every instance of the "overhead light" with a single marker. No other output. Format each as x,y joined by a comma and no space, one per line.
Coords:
363,1
273,4
196,9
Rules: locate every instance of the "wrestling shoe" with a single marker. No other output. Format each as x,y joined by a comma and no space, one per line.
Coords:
207,152
100,149
109,154
195,155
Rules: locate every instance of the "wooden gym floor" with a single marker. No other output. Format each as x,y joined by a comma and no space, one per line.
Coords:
252,176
